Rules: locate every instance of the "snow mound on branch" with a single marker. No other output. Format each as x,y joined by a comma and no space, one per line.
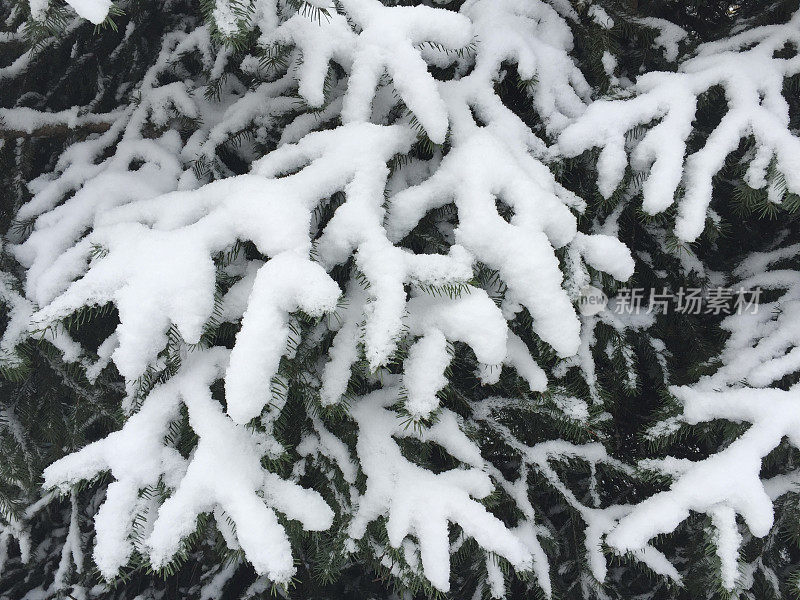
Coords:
421,503
752,78
707,486
223,472
764,345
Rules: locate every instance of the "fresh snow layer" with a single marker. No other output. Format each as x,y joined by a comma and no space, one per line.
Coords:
148,241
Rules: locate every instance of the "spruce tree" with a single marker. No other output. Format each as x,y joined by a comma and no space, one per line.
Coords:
294,299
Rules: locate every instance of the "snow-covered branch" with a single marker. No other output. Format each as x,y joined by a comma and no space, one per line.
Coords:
749,69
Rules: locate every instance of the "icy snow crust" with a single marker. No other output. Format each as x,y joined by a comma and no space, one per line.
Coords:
154,234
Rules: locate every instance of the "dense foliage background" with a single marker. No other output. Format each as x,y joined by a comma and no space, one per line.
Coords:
288,297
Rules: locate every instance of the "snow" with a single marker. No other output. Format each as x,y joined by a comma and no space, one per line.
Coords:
745,67
319,43
669,35
286,283
762,347
145,241
728,540
538,40
522,250
150,242
224,471
28,120
598,521
760,350
609,66
600,16
706,485
387,41
214,588
38,8
225,18
344,352
95,11
421,503
606,253
19,314
424,372
159,231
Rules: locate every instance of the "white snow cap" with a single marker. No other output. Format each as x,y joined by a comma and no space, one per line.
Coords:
95,11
